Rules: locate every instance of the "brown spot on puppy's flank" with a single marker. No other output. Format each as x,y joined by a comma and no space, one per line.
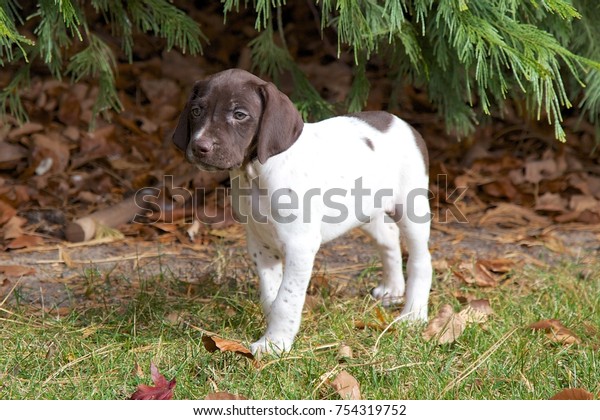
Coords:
369,143
422,148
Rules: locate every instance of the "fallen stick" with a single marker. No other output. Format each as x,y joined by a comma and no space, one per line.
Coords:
85,228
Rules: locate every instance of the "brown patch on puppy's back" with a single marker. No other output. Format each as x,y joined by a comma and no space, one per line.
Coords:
379,120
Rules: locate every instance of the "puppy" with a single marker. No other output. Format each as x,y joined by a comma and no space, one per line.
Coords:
297,185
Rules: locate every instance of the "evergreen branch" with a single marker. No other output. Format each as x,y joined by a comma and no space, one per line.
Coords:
272,60
165,20
564,9
411,47
9,36
488,42
116,15
72,16
60,22
52,32
309,102
264,13
10,99
267,57
97,61
469,55
359,91
585,35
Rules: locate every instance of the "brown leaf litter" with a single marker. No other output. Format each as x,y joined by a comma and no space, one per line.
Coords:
556,331
573,394
223,395
212,343
162,389
346,386
447,325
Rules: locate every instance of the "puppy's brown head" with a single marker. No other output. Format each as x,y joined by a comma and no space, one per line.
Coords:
233,117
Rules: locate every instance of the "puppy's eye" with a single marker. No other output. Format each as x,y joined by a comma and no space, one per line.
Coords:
196,111
239,115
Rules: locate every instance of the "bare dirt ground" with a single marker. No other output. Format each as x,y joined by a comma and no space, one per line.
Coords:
69,276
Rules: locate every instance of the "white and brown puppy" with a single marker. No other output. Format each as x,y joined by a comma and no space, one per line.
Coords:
297,185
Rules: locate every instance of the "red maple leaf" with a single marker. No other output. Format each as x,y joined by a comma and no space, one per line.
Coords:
162,389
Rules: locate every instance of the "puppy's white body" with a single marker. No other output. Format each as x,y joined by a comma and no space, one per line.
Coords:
336,164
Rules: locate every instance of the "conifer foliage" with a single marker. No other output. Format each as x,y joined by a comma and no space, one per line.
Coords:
63,40
469,56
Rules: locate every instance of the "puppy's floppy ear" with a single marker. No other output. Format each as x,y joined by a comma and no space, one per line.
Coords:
280,124
181,135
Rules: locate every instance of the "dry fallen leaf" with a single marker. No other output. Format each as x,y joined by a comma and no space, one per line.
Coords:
556,331
14,227
16,270
24,241
551,202
484,272
162,389
7,212
573,394
346,386
508,215
473,316
11,154
554,243
222,395
50,150
213,343
160,91
25,130
446,326
483,276
481,305
344,353
498,265
550,167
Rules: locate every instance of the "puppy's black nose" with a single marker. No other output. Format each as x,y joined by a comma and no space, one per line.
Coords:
203,146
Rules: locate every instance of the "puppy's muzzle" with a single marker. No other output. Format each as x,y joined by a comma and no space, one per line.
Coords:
202,147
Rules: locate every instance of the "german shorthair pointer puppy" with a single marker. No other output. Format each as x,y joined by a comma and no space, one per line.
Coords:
298,185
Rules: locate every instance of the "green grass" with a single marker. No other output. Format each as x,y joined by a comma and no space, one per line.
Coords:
92,352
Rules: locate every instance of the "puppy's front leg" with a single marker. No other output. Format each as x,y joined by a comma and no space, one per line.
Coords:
283,318
268,263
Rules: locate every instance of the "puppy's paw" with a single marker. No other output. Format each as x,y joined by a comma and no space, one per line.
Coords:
388,296
270,345
414,314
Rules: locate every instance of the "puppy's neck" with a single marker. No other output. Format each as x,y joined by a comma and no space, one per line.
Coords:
249,170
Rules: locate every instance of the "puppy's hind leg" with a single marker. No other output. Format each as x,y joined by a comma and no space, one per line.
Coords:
386,235
415,227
